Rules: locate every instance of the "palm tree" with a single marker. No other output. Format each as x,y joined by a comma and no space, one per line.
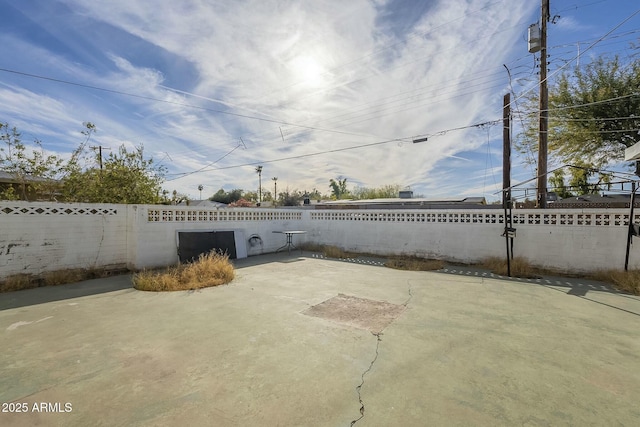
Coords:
275,190
259,171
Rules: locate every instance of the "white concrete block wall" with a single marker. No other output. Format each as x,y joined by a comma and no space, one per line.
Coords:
579,241
40,237
428,234
565,240
156,228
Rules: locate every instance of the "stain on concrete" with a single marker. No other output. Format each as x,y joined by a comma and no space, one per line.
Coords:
16,325
362,313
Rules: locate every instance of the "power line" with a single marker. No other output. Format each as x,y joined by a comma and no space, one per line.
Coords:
624,21
588,104
372,115
336,150
182,175
604,119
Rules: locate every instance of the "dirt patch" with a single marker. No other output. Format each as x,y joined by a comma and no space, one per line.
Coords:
362,313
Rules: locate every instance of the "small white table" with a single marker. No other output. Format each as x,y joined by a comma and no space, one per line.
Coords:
289,243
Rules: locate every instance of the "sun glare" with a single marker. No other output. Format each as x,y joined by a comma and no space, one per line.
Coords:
308,71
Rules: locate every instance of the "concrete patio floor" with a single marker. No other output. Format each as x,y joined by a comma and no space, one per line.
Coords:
466,349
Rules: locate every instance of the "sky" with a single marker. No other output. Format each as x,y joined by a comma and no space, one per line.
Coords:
309,90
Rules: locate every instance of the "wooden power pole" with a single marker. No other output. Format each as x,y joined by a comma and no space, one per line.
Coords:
99,148
544,110
506,178
506,150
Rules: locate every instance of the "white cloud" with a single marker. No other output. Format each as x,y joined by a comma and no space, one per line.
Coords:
323,65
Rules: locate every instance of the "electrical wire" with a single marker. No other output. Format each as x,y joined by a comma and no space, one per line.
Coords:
373,115
624,21
336,150
185,174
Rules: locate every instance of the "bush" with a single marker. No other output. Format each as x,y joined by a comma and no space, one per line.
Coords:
414,263
520,267
628,281
208,270
53,278
18,282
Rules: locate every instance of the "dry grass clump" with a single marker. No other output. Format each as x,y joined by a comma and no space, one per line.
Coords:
403,262
336,252
520,267
208,270
327,250
53,278
18,282
311,247
62,277
414,263
628,281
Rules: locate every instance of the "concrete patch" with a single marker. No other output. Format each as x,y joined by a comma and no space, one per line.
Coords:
362,313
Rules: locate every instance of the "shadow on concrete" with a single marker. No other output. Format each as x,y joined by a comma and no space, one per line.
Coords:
574,286
27,297
571,286
583,296
578,287
280,257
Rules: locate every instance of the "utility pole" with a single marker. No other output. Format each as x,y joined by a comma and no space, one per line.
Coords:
506,179
544,110
506,150
99,148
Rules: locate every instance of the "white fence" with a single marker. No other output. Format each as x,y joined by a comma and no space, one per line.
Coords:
39,237
566,240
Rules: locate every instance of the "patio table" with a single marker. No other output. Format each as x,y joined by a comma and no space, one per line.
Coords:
289,244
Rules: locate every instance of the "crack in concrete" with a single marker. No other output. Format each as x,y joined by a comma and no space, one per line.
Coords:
406,303
378,340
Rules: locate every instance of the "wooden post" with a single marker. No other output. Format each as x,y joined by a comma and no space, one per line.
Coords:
544,110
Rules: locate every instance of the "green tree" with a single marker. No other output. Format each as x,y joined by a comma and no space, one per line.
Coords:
594,114
222,196
252,196
556,181
316,195
339,188
267,196
175,199
126,177
384,192
290,198
35,173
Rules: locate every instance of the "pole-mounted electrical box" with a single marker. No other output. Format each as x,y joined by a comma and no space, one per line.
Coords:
534,38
